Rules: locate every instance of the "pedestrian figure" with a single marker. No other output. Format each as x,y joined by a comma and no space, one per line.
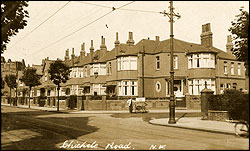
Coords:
130,104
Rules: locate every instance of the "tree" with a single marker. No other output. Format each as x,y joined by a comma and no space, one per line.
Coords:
12,19
2,85
31,79
11,82
59,73
239,30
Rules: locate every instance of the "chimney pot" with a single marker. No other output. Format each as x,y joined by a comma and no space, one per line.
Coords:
229,38
157,38
117,42
83,46
229,44
130,40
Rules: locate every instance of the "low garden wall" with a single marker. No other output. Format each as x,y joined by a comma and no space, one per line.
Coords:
193,102
218,115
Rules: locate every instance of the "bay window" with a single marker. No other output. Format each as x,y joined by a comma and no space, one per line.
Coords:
98,89
201,60
127,88
127,63
195,86
99,69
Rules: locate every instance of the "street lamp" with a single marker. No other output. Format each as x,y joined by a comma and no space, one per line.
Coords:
171,16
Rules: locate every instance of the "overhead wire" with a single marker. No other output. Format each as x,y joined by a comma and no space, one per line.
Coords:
137,10
43,22
37,14
81,28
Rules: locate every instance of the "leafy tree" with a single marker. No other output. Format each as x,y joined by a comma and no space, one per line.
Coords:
31,79
12,19
11,82
2,83
240,29
59,73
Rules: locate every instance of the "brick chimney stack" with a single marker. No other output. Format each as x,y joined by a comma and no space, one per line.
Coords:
103,46
73,56
91,51
229,44
117,44
130,41
157,38
82,53
206,36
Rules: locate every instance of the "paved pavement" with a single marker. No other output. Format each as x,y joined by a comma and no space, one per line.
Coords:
97,111
194,123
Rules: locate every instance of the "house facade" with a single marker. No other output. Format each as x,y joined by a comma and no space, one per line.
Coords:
142,69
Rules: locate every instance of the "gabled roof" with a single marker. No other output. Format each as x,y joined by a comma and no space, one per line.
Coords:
109,56
72,81
39,69
154,47
225,55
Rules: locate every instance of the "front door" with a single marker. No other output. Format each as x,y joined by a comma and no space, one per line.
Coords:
178,90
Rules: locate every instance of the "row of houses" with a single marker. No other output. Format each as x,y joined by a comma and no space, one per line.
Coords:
142,69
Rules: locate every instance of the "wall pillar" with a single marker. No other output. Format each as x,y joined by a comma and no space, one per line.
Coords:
205,94
104,102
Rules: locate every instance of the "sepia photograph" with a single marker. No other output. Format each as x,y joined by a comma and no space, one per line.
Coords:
124,75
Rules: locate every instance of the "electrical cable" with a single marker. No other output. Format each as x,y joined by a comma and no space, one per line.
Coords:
145,11
43,22
81,28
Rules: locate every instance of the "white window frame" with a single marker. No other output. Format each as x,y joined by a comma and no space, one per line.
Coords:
157,60
206,60
239,68
175,62
156,86
195,86
127,63
127,86
225,68
232,68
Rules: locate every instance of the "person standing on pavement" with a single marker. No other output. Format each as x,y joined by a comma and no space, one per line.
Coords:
130,105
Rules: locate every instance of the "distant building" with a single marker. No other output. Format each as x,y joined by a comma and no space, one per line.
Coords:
8,68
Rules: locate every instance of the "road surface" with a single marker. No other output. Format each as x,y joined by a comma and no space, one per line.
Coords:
26,129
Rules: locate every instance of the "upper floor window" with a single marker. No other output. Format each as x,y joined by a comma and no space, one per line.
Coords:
175,62
99,69
201,60
239,69
76,72
157,62
109,68
85,71
127,63
232,68
225,67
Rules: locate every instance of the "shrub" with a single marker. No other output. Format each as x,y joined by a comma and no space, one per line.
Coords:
233,101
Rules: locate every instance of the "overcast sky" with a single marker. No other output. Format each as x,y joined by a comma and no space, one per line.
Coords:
40,43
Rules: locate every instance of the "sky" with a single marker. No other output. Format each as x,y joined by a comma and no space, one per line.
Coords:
75,24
